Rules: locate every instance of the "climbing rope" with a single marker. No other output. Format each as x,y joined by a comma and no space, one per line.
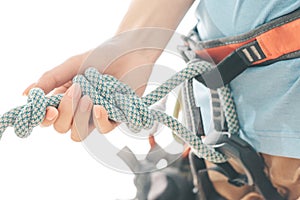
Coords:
228,106
122,105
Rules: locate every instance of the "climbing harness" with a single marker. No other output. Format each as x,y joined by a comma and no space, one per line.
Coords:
233,55
274,41
271,42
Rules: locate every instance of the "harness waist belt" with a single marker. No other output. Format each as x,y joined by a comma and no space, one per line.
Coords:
271,42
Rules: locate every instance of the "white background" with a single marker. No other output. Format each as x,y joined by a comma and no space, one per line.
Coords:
36,35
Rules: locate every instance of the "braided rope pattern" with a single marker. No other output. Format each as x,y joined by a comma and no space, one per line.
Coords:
229,109
121,103
25,118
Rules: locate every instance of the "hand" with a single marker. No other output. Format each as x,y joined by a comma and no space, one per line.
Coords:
135,45
74,111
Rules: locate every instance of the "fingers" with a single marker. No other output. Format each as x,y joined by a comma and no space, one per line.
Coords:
80,127
75,113
67,108
51,116
59,75
62,89
101,120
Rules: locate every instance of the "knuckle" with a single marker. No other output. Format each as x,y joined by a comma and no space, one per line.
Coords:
73,59
49,77
76,59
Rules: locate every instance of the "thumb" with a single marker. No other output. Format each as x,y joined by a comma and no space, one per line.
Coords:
59,75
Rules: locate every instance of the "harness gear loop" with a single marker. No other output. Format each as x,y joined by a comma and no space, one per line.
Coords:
121,103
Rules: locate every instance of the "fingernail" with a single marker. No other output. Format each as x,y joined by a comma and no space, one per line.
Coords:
51,114
73,91
26,91
97,112
85,104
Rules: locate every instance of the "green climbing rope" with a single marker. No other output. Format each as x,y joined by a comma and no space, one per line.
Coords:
122,104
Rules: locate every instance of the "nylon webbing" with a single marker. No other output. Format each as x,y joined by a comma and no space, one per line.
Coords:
123,105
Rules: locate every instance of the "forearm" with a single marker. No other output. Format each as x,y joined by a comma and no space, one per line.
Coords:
165,14
158,19
141,37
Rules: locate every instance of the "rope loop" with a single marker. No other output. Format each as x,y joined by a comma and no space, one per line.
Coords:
121,102
137,114
122,105
32,114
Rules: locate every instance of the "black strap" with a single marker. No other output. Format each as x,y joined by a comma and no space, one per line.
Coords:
233,65
206,190
234,147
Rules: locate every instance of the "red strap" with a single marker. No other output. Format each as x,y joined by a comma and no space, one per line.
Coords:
218,53
152,141
274,43
280,41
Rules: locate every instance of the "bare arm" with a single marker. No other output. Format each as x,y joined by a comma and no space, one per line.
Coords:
155,13
163,15
140,39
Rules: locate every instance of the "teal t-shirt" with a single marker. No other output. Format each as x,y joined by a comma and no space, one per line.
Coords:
267,98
